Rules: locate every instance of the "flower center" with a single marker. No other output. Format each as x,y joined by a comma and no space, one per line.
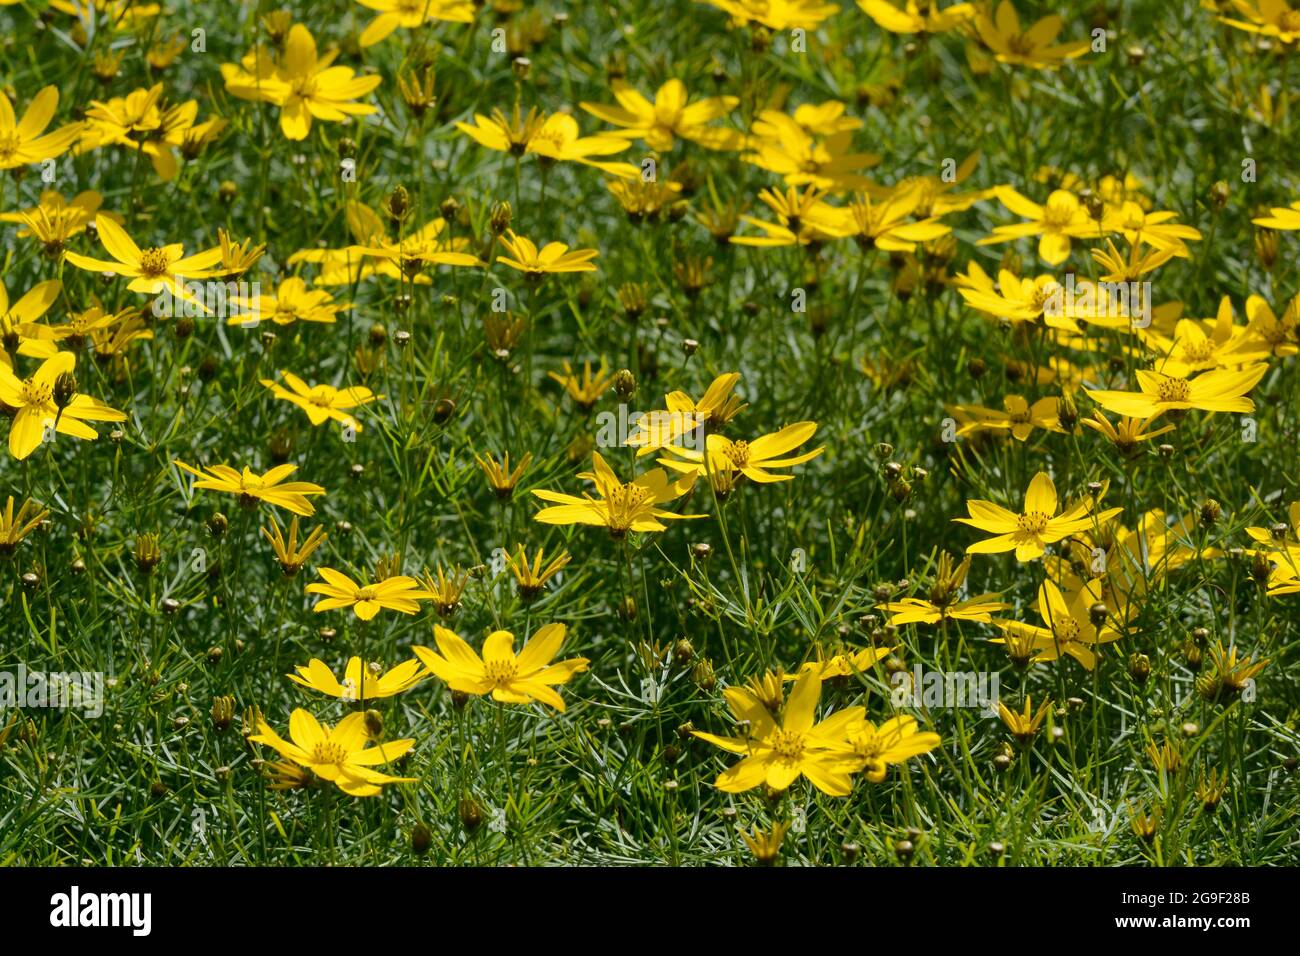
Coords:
1174,390
1020,45
36,394
8,144
738,453
153,263
787,744
1198,351
1033,522
366,593
1065,632
1288,21
501,671
624,504
328,752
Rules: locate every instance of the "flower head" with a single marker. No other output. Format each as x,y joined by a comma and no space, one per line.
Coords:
337,754
510,678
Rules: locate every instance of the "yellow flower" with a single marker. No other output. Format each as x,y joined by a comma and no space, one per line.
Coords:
499,476
1016,299
621,507
551,138
889,224
914,17
142,120
302,84
252,488
22,142
1282,336
291,302
875,748
1285,218
359,684
322,402
781,145
716,407
1033,47
41,411
802,219
531,578
1039,525
1020,418
509,678
1069,630
1220,390
151,270
55,220
846,664
1021,725
1128,434
410,14
766,847
941,604
339,755
588,389
13,528
397,593
291,555
753,459
407,257
1270,18
776,14
670,115
554,257
16,319
1056,222
777,755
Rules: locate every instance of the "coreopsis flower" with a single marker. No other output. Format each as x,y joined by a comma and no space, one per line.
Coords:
410,14
406,257
15,527
1128,434
25,142
716,407
753,459
874,749
1283,219
1284,579
447,589
303,84
671,115
587,389
766,846
1156,229
780,145
847,664
291,553
1019,417
1275,19
337,754
142,120
912,17
803,218
322,403
889,224
55,220
396,593
48,403
1038,525
554,257
1281,335
1022,725
1034,47
253,488
237,257
1220,390
778,754
551,138
1226,675
1070,628
499,474
17,318
1140,260
118,15
1200,345
510,678
1058,221
619,507
292,301
1015,299
531,577
642,200
359,684
150,270
942,604
776,15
